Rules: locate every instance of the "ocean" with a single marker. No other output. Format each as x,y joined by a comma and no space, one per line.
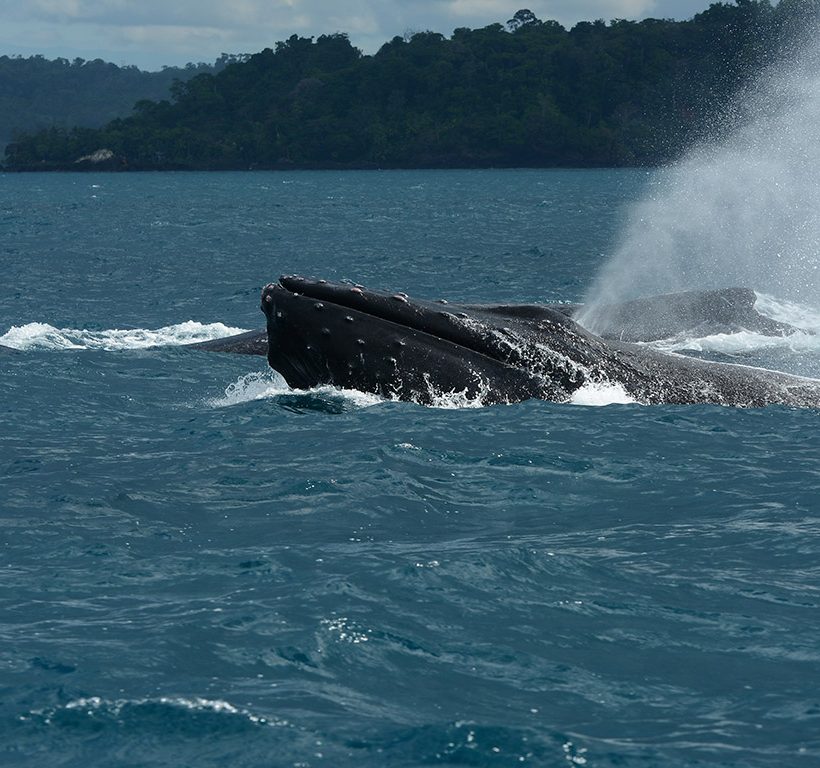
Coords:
202,567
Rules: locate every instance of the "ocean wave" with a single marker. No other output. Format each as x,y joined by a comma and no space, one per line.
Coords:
268,384
199,715
42,336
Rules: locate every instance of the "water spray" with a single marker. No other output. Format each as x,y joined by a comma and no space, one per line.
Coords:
740,210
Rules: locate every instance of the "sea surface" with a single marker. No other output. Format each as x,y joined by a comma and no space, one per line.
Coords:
201,567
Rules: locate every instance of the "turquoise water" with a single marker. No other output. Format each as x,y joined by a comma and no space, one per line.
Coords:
201,567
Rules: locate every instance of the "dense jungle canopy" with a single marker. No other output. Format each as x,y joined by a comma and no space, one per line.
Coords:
524,93
37,93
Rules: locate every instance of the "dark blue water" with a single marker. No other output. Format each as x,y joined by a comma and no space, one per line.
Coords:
199,567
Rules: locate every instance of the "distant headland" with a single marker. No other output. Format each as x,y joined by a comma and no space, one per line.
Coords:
525,93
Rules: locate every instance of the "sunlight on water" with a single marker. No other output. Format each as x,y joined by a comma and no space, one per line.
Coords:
135,712
41,336
742,210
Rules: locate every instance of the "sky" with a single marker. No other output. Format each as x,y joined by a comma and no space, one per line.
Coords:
154,33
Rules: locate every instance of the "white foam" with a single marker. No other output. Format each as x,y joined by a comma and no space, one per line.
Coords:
46,337
601,393
268,384
352,396
454,400
797,315
263,385
738,343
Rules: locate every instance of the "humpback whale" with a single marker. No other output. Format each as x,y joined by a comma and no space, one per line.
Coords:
689,313
389,344
319,332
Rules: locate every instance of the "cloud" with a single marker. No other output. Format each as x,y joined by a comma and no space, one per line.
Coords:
153,13
294,13
175,32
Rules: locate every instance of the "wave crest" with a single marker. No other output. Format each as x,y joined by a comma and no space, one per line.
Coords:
42,336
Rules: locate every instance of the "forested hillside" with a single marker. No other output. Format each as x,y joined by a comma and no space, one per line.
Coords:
526,93
36,92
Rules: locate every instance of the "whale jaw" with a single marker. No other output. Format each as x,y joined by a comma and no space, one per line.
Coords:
345,336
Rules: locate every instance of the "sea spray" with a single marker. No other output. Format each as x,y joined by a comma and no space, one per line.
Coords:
743,209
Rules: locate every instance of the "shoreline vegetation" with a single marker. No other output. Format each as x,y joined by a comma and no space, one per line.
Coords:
527,93
38,93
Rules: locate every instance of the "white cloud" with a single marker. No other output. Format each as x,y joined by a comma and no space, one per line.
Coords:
479,8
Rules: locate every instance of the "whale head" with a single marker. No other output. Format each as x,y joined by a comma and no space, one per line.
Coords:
397,347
